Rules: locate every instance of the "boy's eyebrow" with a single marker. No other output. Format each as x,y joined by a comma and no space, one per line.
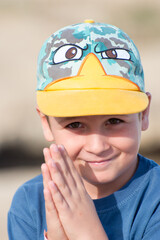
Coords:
64,119
78,118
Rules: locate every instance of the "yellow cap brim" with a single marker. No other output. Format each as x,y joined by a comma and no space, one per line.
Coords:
82,102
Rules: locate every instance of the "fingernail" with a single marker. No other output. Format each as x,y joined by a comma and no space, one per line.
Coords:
54,148
43,167
45,150
61,147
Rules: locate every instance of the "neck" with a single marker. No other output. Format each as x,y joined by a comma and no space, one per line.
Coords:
97,191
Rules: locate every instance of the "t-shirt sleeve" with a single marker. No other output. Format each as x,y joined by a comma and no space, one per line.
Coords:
19,229
21,224
153,229
26,216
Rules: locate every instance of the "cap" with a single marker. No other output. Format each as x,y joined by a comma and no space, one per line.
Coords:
90,69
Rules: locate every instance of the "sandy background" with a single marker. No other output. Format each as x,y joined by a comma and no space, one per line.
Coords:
24,26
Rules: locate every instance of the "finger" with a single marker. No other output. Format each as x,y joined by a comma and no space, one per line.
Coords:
58,179
71,167
47,155
44,168
46,175
49,204
62,164
59,200
54,226
58,158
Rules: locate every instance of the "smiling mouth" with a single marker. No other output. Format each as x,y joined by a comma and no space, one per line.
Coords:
99,163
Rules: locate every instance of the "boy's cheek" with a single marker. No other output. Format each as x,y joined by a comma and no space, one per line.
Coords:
69,144
127,144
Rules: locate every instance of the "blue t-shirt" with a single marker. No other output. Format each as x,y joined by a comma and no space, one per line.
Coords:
131,213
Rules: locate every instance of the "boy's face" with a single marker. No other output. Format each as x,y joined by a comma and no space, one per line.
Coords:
104,148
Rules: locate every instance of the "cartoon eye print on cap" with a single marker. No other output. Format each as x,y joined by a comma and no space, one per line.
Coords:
118,53
70,52
67,53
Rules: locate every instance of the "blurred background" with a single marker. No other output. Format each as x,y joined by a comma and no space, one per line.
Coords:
24,26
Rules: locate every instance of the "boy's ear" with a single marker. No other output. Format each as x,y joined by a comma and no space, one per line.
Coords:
45,126
145,114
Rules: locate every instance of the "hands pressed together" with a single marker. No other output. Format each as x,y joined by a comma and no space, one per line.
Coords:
70,212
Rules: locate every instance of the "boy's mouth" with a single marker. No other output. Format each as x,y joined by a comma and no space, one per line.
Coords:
98,162
101,163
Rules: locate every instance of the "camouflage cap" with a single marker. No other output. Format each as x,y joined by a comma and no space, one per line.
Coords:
90,69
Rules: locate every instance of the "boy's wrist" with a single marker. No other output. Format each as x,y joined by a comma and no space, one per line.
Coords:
45,235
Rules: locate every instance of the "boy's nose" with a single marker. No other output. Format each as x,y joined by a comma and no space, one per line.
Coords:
96,144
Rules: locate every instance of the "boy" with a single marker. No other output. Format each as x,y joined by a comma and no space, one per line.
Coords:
92,104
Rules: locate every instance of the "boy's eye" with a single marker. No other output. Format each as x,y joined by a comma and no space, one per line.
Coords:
114,121
74,125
